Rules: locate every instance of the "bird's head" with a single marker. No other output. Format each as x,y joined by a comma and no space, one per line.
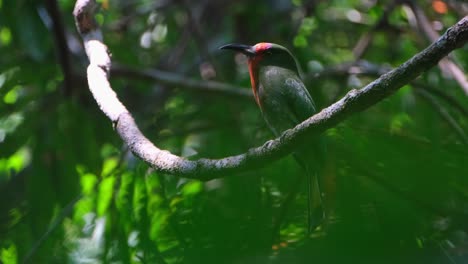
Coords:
265,54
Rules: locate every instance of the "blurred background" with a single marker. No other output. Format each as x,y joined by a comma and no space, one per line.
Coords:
395,177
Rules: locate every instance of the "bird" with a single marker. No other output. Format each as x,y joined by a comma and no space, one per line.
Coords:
284,102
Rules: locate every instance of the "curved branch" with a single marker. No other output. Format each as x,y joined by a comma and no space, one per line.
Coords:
205,169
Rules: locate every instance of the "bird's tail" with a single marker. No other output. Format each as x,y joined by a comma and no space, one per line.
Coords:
315,212
314,201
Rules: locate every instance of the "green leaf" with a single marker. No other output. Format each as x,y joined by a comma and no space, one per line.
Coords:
12,95
297,2
105,194
300,41
9,124
9,255
88,182
15,163
83,207
109,165
159,220
192,188
139,199
398,122
5,36
123,200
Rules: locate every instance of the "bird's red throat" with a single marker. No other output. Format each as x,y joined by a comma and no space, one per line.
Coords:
253,72
259,48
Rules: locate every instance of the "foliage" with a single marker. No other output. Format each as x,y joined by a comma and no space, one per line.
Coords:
394,176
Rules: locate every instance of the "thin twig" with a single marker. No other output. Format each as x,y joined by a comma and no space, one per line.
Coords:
63,52
360,67
67,210
444,114
451,100
180,81
366,39
198,34
408,196
140,11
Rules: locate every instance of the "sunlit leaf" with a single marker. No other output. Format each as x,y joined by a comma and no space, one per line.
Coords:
139,199
105,194
5,36
12,95
192,188
399,121
124,198
15,163
159,221
300,41
9,255
88,183
109,165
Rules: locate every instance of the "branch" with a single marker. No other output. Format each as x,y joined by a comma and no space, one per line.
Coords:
362,67
359,67
206,169
447,66
173,79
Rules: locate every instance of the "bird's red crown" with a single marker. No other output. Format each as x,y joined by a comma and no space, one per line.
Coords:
262,46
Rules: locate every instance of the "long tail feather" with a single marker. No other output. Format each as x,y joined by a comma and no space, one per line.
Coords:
315,212
314,203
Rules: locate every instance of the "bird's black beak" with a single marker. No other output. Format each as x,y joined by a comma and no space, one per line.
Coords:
245,49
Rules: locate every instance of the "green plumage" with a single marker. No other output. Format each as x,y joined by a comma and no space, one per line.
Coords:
285,102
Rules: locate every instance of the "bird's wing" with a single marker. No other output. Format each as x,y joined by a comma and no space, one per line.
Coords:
298,99
301,106
308,155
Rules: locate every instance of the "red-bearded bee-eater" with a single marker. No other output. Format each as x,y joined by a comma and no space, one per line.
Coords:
285,102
